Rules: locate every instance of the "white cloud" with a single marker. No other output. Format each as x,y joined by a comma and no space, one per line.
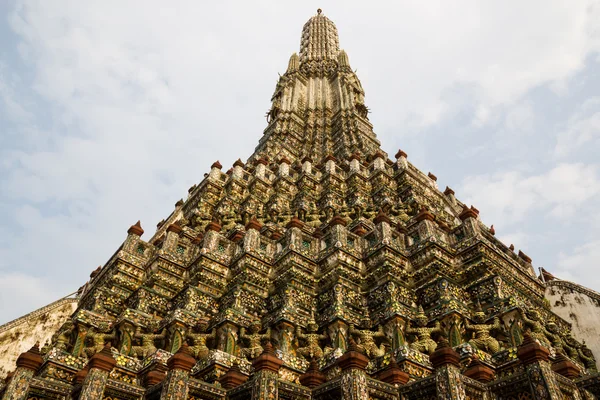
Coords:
581,265
506,198
23,292
582,128
135,100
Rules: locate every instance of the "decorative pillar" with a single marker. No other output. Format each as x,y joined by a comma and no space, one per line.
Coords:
450,194
479,371
393,375
284,166
313,376
401,160
252,238
446,363
469,218
565,367
175,386
233,378
27,365
383,224
354,162
535,358
265,381
354,378
215,170
99,366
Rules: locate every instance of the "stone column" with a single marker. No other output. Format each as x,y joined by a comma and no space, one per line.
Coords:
535,358
446,362
469,218
27,365
175,386
354,378
265,381
383,224
99,366
233,377
313,376
401,160
479,371
393,375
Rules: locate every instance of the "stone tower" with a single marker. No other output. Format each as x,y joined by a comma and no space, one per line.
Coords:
318,269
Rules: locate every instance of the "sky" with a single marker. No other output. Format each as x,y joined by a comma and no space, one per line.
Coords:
111,110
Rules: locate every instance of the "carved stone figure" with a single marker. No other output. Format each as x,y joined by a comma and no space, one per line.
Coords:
424,342
571,346
313,349
553,335
98,336
62,338
366,340
148,346
254,340
588,358
483,340
198,348
533,320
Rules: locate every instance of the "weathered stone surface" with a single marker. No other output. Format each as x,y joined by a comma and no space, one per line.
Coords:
19,335
581,307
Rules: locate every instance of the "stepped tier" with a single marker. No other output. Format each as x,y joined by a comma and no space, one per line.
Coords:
319,268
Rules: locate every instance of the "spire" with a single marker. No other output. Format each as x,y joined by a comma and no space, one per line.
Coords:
293,64
319,39
343,60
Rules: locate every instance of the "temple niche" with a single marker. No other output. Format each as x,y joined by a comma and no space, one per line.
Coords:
319,268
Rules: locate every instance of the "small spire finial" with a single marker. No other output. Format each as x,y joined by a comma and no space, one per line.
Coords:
319,11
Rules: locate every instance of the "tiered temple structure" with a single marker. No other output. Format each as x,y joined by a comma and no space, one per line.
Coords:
320,268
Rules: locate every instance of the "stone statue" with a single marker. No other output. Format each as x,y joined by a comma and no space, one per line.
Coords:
148,347
553,335
62,337
483,340
587,357
571,346
98,336
424,342
366,341
312,350
254,339
198,348
534,322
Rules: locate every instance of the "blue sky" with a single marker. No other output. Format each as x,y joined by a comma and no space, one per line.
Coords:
110,111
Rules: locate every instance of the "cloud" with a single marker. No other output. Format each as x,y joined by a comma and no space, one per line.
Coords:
26,291
508,197
581,264
582,128
118,107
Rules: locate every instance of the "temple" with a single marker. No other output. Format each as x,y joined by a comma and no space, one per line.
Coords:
319,268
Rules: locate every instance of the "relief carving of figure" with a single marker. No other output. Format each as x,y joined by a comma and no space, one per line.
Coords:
533,320
254,340
198,348
587,357
366,340
424,342
313,349
62,338
148,346
553,334
571,346
483,340
98,337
